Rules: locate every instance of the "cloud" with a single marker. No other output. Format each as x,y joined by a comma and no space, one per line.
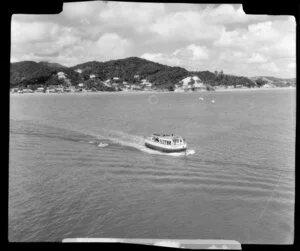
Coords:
269,67
136,14
229,38
203,24
188,25
272,39
112,46
192,52
207,36
292,65
187,57
232,56
228,14
41,39
47,41
285,47
162,58
256,58
32,32
79,10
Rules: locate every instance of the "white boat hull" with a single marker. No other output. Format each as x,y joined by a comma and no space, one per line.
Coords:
165,148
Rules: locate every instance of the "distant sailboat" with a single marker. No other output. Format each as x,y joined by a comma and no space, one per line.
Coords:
213,101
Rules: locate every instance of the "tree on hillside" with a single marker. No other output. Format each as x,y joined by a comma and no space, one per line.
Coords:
261,81
171,88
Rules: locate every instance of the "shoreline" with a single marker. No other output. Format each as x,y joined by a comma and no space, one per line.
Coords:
254,89
156,92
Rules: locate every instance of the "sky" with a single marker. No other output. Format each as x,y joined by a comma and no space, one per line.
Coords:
197,37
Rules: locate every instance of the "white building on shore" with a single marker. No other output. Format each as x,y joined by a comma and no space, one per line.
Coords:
61,75
27,90
40,90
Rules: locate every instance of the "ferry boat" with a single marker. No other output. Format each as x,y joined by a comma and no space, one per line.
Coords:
166,143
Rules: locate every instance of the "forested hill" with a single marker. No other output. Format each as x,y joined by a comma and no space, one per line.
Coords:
130,70
29,70
133,68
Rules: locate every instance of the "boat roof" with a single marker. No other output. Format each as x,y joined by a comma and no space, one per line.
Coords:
166,136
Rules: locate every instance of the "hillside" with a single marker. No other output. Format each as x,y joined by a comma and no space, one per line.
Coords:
280,82
28,70
132,70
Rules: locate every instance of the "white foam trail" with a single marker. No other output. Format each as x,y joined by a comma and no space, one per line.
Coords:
190,152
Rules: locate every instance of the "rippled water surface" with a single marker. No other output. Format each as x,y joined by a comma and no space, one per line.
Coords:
236,182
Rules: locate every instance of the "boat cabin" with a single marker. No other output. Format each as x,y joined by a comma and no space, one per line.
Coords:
167,139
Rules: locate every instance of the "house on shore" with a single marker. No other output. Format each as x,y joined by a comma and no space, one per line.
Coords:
27,90
146,85
59,89
135,87
61,75
40,90
50,90
115,86
107,83
70,89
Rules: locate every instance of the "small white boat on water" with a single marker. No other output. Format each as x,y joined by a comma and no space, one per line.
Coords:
166,143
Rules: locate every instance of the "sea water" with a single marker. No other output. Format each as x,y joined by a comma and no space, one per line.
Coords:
237,180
